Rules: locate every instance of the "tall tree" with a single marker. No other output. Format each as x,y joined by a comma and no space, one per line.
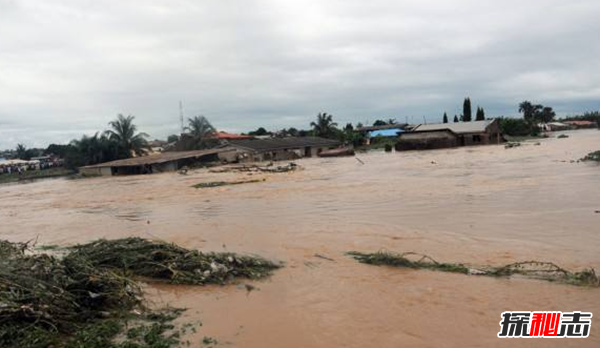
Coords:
324,126
530,111
480,116
202,131
21,151
124,133
445,118
467,112
547,114
455,118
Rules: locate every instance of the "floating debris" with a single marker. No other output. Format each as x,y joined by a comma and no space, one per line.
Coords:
592,156
88,298
226,183
269,168
166,261
562,136
531,269
511,145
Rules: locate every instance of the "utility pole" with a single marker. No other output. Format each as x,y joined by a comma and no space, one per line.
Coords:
181,115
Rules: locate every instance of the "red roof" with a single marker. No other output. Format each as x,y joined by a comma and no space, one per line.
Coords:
231,136
581,123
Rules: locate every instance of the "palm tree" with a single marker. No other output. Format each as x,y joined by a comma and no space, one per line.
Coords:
123,132
324,127
21,151
201,130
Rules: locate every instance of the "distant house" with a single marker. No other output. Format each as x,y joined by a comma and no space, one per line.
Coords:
277,149
582,124
443,135
163,162
554,126
231,136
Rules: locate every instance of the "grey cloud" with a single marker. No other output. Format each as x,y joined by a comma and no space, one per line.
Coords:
67,67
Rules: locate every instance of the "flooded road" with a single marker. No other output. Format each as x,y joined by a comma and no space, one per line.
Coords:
479,205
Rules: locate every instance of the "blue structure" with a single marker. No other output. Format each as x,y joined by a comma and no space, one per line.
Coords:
392,132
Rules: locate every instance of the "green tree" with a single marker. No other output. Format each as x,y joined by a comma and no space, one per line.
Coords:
467,112
445,118
379,123
172,138
530,111
324,126
261,131
21,151
480,116
88,150
455,118
201,131
124,134
57,150
547,114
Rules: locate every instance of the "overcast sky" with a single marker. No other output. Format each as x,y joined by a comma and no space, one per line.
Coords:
68,67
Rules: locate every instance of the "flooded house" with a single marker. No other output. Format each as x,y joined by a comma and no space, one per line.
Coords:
158,163
444,135
278,149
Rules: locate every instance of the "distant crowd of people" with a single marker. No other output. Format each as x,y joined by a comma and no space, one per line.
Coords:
12,167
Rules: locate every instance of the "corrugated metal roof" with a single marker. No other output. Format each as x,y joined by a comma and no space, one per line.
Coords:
393,132
387,126
159,158
458,128
262,145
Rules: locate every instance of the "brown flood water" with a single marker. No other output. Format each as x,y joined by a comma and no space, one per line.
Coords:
481,205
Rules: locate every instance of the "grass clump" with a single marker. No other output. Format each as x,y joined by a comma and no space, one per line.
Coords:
592,156
530,269
166,261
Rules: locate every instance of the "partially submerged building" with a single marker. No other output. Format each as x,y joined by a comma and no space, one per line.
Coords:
444,135
163,162
278,149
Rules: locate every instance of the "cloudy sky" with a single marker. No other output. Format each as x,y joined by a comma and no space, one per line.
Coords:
67,67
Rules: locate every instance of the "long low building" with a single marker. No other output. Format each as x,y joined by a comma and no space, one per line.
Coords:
436,136
163,162
278,149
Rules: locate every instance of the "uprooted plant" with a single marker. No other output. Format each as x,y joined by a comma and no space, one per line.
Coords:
166,261
87,298
531,269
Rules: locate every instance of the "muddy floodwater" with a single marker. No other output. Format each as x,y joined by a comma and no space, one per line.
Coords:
479,205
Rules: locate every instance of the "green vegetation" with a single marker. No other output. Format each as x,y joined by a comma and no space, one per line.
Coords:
324,126
166,261
202,133
530,269
480,115
517,127
445,118
225,183
124,134
467,112
88,299
36,174
592,156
